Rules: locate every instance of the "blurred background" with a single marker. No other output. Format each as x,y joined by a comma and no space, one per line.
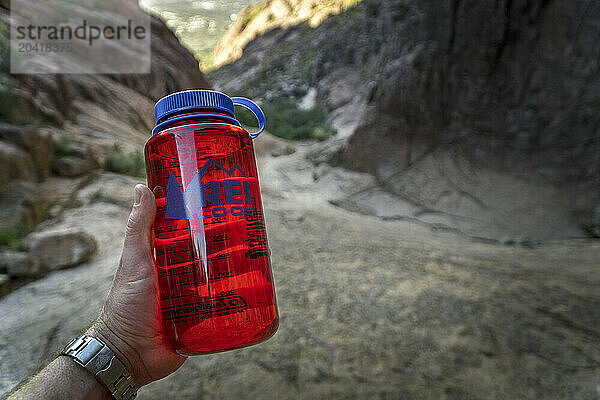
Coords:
431,181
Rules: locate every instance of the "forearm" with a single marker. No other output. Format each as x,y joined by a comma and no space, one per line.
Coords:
129,325
65,379
62,379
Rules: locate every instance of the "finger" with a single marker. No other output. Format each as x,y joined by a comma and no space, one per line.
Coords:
137,246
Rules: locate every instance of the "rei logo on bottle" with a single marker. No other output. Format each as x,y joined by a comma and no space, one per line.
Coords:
213,199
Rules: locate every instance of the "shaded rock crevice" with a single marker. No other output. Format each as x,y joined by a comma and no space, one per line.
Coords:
505,89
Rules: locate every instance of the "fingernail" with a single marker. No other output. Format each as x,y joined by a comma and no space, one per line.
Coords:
138,195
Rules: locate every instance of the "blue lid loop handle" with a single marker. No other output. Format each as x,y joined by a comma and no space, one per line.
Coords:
255,109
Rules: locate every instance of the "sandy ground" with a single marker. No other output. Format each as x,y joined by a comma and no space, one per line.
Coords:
369,308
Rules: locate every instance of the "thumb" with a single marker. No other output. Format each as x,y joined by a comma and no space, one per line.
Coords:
138,235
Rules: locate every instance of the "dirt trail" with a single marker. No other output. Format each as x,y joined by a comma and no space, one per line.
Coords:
369,308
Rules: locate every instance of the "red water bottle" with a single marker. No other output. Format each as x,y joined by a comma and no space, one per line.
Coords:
212,257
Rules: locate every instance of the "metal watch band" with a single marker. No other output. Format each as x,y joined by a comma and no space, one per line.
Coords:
95,356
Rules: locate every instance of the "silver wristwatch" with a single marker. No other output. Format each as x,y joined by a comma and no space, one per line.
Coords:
95,356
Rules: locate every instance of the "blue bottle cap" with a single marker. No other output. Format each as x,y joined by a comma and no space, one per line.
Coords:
192,100
205,100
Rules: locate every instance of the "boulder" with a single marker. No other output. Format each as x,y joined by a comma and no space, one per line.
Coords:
21,264
36,142
15,163
283,151
109,188
22,205
71,166
268,144
58,249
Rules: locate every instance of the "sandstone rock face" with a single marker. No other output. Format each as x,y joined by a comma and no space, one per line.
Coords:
474,117
266,15
96,110
494,80
58,249
90,114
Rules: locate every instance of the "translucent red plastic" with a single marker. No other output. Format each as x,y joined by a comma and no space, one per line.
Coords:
214,272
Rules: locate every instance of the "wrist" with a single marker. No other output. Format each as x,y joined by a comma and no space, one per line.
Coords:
84,385
62,379
123,350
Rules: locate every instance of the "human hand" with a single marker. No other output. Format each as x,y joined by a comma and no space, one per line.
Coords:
129,321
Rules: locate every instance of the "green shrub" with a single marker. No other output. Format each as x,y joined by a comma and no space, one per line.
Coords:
62,147
286,120
125,163
12,237
245,117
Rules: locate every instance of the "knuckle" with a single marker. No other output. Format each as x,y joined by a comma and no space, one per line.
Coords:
133,224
